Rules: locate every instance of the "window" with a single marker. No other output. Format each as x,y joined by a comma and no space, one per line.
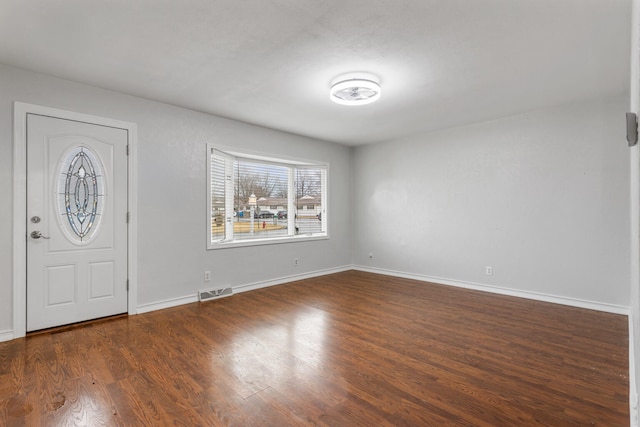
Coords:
259,200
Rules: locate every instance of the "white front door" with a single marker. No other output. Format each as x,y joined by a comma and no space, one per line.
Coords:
76,221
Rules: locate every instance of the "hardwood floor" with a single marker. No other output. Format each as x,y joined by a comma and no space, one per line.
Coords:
348,349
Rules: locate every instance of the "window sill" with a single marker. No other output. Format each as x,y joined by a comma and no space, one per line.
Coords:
267,241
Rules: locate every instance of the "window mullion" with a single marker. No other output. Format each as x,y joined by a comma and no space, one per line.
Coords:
229,192
325,200
291,200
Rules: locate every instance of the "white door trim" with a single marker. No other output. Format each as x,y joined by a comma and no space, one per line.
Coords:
20,111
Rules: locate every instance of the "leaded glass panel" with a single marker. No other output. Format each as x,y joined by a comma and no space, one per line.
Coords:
81,194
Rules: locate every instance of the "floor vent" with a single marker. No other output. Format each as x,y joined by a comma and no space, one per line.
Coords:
214,293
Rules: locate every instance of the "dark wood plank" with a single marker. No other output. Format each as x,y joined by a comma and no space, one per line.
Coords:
345,349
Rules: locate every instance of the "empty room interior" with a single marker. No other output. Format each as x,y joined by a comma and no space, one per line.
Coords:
344,213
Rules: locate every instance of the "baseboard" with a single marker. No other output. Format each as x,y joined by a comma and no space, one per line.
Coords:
288,279
174,302
573,302
608,308
6,336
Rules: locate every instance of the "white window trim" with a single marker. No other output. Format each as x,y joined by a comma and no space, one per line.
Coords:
288,162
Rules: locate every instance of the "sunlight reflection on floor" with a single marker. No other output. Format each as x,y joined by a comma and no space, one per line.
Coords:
274,353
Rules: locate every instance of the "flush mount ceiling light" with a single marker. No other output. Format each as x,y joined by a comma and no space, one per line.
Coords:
355,89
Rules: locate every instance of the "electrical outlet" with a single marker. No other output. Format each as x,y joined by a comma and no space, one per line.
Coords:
207,276
295,262
488,270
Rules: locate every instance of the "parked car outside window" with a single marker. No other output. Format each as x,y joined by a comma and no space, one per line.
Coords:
263,214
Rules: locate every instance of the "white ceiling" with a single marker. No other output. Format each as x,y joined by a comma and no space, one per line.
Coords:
441,63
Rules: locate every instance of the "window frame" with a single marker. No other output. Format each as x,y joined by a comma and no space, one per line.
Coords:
292,164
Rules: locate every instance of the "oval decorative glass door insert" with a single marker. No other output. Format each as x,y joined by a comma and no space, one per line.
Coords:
80,194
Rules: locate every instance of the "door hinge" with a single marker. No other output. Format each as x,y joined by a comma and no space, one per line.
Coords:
127,284
127,149
128,217
632,129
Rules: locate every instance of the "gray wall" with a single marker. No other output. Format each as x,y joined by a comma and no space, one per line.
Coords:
172,191
541,197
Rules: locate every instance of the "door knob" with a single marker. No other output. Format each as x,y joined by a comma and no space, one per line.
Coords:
38,235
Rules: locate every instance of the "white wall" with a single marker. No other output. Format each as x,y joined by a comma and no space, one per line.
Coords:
172,191
541,197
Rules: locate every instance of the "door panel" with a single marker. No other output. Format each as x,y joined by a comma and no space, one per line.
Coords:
76,221
101,280
60,284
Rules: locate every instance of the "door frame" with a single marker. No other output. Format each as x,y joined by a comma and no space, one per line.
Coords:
20,112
